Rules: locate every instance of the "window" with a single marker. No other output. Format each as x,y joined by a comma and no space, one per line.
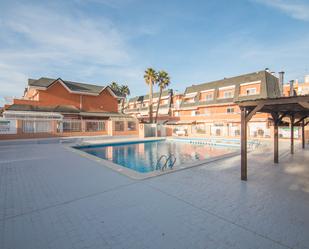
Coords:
36,126
193,113
230,110
119,126
190,100
251,91
131,125
209,96
71,126
95,125
164,101
228,94
199,128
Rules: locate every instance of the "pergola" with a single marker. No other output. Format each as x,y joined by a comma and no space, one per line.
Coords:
296,108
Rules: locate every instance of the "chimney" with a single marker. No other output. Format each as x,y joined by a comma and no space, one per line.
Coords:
291,87
281,82
296,82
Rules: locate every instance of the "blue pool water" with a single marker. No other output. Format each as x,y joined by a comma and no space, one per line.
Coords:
143,156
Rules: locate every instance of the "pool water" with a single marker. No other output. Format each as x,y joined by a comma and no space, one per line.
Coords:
143,156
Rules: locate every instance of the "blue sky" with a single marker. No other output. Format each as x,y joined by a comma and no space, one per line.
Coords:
99,41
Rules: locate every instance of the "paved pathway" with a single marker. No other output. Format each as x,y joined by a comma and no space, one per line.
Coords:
53,198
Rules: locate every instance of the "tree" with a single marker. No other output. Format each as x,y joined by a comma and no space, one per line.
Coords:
115,87
124,91
120,90
150,77
163,80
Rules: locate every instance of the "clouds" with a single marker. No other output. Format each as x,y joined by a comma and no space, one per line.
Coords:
99,41
295,9
54,42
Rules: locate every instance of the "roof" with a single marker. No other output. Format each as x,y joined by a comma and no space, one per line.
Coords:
105,114
68,109
155,95
71,85
297,105
270,88
59,108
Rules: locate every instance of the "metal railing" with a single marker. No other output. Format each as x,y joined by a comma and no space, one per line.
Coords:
63,126
171,159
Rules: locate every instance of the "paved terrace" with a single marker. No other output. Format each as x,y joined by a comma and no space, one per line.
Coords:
53,198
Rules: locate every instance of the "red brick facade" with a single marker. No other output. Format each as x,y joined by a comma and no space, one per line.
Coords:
58,94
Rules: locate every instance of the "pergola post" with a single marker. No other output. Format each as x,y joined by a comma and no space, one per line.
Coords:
243,140
303,134
276,140
292,133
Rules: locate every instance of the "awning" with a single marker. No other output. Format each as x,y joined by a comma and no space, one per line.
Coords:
103,114
190,95
180,122
123,119
25,115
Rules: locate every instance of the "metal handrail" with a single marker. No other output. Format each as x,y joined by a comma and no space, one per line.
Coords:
171,164
159,160
174,161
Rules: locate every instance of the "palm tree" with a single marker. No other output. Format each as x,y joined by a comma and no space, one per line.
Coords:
114,86
151,79
163,81
124,91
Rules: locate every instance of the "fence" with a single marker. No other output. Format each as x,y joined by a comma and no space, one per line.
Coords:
40,128
49,128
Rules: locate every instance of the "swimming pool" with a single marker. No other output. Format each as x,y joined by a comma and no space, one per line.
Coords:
143,156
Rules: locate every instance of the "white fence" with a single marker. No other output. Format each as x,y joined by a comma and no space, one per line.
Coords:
37,126
32,126
7,126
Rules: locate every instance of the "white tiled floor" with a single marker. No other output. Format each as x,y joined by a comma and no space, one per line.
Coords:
53,198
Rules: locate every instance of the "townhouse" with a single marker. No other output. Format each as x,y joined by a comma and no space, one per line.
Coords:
209,108
60,107
139,106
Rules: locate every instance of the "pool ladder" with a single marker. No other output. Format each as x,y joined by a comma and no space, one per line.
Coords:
171,158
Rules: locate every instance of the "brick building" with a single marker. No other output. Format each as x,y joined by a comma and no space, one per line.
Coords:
139,106
209,108
59,107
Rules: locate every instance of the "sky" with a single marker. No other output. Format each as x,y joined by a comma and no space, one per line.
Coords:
100,41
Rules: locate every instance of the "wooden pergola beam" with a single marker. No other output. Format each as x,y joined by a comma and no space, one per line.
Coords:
282,116
304,104
300,120
254,111
276,101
